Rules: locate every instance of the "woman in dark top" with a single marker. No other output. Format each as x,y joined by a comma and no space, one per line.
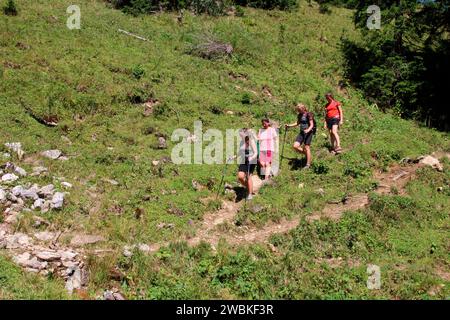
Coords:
305,120
247,160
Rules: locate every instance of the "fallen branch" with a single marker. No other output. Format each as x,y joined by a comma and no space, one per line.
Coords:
49,121
133,35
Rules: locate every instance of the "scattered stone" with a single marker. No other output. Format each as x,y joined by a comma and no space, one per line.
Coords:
229,112
108,295
432,162
81,240
321,191
46,191
15,147
17,240
118,296
196,186
47,255
400,175
6,155
439,189
77,278
57,200
51,154
9,177
20,171
67,255
175,211
63,158
17,190
46,206
2,195
66,184
25,260
162,143
301,185
44,236
155,162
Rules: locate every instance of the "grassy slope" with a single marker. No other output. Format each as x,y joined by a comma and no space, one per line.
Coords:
297,67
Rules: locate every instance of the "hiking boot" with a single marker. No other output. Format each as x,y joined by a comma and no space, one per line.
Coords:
308,166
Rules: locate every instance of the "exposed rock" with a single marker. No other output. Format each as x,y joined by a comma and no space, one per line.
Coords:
66,140
432,162
2,195
118,296
77,279
162,143
17,190
20,171
6,155
46,191
17,240
66,184
51,154
321,191
67,255
155,162
63,158
9,177
81,240
15,147
46,206
47,255
256,208
57,200
25,260
111,181
108,295
163,225
38,203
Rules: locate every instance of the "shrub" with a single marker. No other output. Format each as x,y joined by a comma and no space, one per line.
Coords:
246,99
10,9
269,4
138,72
320,167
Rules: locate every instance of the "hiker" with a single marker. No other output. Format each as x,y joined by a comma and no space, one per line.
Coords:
333,120
247,160
266,138
307,125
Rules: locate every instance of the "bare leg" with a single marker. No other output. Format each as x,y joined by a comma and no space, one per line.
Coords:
250,184
336,136
297,147
308,155
332,140
241,177
267,171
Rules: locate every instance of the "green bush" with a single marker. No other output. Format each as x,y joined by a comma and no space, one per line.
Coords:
320,167
246,99
10,9
138,72
268,4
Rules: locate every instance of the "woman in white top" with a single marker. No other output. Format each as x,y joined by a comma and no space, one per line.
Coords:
266,138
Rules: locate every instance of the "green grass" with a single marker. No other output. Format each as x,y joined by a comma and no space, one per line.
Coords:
90,74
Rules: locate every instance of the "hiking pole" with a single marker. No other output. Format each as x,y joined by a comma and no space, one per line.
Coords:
282,148
223,175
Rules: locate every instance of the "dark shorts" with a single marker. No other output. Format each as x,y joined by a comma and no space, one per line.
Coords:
247,168
305,138
331,122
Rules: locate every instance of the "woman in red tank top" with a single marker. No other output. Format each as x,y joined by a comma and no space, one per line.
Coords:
333,120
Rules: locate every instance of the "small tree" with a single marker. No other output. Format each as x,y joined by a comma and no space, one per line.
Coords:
10,9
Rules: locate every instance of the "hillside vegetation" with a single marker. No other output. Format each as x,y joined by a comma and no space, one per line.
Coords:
95,81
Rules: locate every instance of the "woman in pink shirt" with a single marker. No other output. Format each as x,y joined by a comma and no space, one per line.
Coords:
266,138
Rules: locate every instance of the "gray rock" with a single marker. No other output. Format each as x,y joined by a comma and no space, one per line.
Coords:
66,184
81,240
75,280
162,143
17,191
2,195
17,240
20,171
26,260
68,255
108,295
63,158
15,147
46,206
38,204
9,177
57,200
6,155
47,255
51,154
118,296
432,162
46,191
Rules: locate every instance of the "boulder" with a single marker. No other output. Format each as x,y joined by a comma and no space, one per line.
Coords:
57,200
38,204
66,184
432,162
2,195
51,154
9,177
46,191
47,255
26,260
44,236
21,172
38,171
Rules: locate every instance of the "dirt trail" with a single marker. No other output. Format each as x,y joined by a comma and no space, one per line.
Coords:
210,231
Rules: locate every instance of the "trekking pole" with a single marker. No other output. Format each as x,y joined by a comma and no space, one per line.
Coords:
223,175
282,148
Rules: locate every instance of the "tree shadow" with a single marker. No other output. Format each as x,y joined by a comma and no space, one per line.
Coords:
297,164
